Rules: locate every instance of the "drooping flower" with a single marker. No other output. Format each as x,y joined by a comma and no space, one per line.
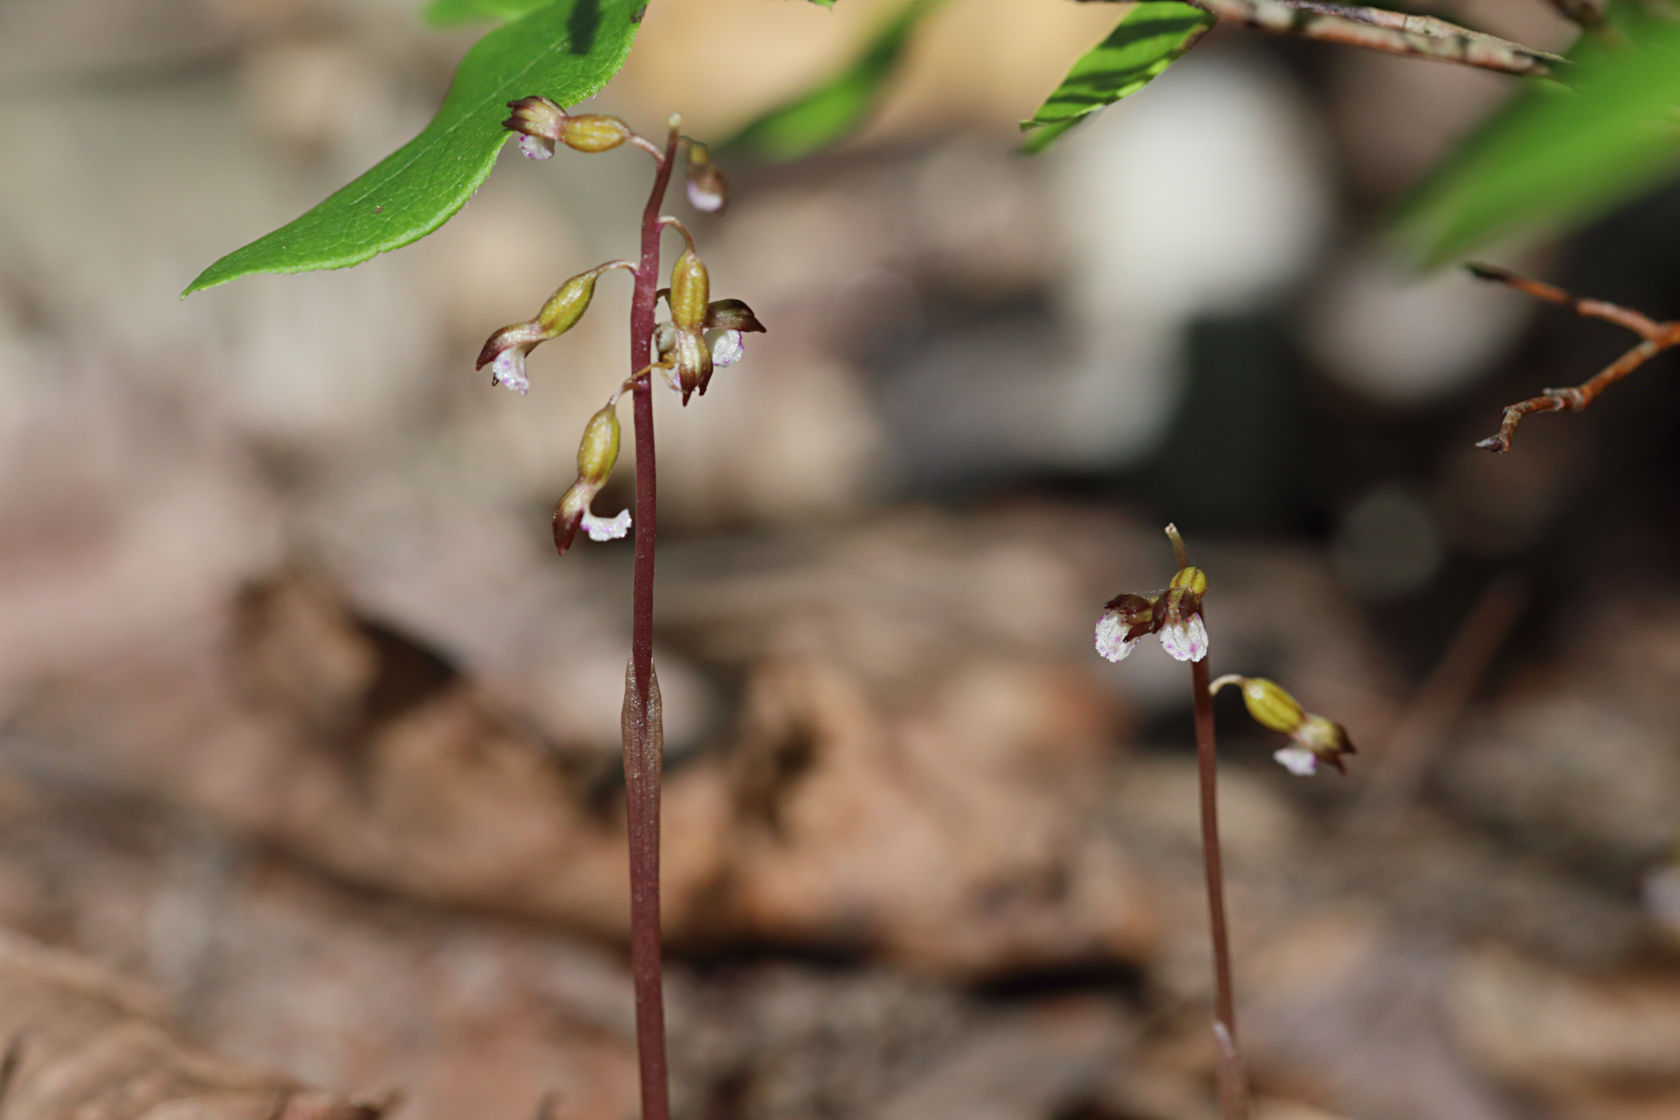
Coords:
1125,619
542,123
700,336
707,190
504,352
597,454
1174,613
1315,739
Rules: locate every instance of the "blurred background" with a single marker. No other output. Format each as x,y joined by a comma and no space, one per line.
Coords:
303,725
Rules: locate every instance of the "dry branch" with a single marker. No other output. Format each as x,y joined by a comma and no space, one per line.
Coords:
1393,32
85,1044
1655,338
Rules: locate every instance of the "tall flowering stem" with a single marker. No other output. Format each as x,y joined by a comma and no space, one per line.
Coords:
643,735
702,334
1233,1091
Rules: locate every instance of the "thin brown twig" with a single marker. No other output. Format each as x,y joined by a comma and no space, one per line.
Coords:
1655,338
1354,25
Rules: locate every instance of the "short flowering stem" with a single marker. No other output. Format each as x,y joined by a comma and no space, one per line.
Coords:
1233,1092
642,735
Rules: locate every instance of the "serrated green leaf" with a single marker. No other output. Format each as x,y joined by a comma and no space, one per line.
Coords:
566,50
1556,157
1149,38
836,107
453,13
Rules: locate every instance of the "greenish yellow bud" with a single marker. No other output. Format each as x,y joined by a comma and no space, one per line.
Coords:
1193,580
1271,706
567,305
592,132
690,289
599,449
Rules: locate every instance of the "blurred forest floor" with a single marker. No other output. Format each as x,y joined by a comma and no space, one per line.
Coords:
305,733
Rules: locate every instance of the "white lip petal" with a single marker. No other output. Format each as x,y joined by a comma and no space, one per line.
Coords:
535,147
1186,641
703,198
1299,761
727,348
508,370
1111,637
607,528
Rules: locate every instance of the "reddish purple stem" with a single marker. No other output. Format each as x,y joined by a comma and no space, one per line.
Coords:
642,750
1228,1066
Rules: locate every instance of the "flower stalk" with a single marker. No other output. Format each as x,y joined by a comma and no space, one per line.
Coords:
643,727
1175,615
1228,1064
700,335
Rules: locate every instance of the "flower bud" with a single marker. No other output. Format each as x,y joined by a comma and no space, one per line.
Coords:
592,132
690,289
708,191
567,305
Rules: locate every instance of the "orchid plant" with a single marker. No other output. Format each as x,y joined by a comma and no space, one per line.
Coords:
545,56
1175,615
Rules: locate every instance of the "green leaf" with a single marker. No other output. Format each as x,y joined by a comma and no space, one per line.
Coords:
453,13
835,108
1556,157
1149,38
566,50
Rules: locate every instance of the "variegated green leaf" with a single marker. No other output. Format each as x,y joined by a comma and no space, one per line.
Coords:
1150,38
